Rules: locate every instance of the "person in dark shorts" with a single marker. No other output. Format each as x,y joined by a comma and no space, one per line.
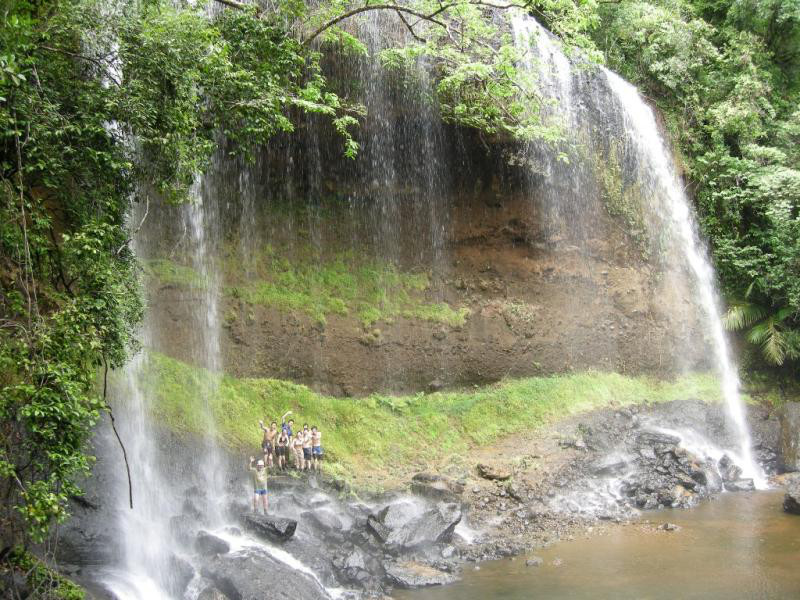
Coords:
268,443
259,473
307,456
316,447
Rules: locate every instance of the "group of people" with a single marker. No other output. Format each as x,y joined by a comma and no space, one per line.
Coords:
303,445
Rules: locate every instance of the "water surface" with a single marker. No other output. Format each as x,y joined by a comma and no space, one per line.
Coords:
736,546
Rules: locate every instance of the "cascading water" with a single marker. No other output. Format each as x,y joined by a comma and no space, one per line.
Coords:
660,177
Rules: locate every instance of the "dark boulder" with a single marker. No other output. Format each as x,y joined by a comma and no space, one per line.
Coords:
436,487
791,501
728,469
208,544
411,575
789,455
661,442
277,529
256,575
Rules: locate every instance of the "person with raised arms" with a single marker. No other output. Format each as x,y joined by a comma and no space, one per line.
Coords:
268,443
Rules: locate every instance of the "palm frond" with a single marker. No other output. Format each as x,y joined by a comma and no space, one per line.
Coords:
742,315
771,339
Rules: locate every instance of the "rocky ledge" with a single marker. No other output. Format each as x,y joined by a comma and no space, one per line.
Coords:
585,474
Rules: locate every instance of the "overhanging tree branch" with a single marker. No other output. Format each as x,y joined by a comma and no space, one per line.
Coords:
362,9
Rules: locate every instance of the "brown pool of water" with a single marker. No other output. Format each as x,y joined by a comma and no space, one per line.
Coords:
739,545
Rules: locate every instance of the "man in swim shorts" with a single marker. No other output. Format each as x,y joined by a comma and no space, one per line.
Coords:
268,443
307,456
316,447
259,484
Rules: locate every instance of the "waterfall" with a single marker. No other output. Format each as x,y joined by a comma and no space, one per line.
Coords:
655,173
668,194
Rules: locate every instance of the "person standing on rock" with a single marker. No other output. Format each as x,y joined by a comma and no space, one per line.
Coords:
307,456
297,450
268,443
282,449
259,484
316,447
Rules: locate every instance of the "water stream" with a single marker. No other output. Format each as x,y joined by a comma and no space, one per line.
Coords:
737,546
647,158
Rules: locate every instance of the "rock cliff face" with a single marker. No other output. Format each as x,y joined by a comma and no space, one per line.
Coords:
499,297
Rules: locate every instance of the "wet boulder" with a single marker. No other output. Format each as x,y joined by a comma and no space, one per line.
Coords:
255,574
357,567
276,529
404,525
789,455
181,573
728,470
410,574
208,544
791,501
323,519
436,487
211,593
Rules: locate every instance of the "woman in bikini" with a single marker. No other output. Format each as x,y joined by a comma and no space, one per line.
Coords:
282,449
297,447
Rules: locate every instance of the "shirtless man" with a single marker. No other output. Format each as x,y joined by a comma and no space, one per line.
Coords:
268,443
307,456
316,447
259,484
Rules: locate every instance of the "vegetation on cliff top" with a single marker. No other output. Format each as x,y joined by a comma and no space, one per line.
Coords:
379,437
